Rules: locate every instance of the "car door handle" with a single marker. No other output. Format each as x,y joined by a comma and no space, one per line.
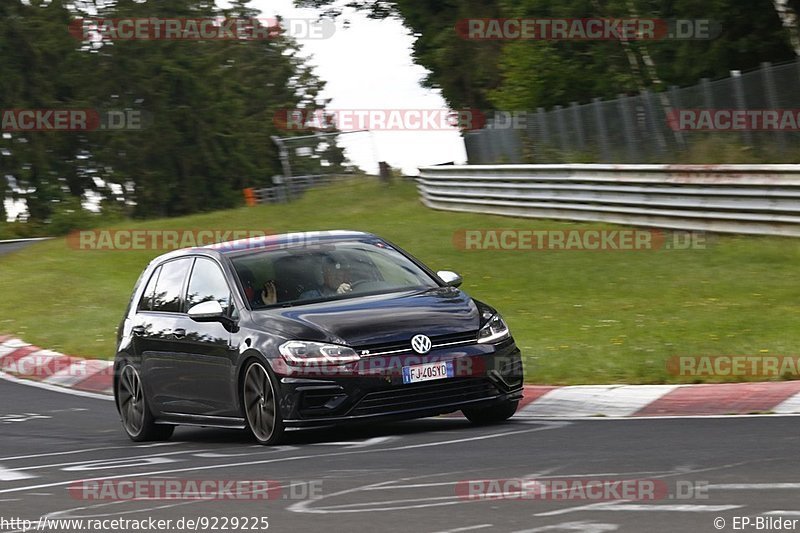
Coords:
138,330
179,333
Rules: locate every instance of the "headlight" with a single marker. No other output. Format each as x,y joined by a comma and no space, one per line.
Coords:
494,330
303,353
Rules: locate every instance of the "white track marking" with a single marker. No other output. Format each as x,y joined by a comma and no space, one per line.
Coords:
466,528
357,444
586,507
626,505
92,462
12,475
782,513
583,527
87,450
754,486
392,505
120,463
55,388
679,508
282,459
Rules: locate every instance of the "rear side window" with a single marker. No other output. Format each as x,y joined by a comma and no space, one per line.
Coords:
146,303
206,284
167,296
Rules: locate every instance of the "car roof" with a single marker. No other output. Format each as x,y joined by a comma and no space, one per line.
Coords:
283,240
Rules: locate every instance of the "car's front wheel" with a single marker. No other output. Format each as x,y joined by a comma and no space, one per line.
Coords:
136,417
492,414
260,405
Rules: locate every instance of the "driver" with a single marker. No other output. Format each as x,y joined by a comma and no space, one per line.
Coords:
334,280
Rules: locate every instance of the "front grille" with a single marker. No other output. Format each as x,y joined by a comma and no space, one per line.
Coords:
401,346
424,395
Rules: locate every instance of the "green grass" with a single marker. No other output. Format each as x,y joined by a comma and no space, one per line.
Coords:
579,317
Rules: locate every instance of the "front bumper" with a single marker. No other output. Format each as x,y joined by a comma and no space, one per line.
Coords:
373,389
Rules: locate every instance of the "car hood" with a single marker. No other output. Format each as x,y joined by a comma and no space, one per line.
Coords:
377,319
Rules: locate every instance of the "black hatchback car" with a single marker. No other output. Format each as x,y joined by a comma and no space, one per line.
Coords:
306,330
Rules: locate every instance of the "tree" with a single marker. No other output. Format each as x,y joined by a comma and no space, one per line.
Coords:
526,74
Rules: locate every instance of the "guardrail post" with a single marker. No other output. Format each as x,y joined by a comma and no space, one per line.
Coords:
675,106
627,127
772,101
578,124
708,97
653,124
741,103
602,133
562,130
544,129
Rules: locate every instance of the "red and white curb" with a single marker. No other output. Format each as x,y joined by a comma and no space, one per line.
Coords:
778,397
22,360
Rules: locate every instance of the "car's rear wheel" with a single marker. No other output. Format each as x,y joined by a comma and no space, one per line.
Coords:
492,414
260,406
136,417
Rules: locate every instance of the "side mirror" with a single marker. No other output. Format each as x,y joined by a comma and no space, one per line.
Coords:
450,279
207,312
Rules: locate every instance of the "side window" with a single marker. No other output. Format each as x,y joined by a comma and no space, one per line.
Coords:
146,303
167,297
206,284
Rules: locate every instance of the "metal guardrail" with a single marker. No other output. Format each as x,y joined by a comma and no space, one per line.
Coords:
292,188
752,199
16,241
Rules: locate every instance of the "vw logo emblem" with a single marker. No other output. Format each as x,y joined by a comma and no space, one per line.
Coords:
421,344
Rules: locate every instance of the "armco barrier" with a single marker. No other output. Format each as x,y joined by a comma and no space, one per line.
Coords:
753,199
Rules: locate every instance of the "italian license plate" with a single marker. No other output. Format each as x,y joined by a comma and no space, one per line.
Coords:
427,372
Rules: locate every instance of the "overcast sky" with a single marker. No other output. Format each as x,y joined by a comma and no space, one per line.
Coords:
368,65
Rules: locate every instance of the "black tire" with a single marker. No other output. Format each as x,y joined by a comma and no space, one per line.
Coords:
137,420
494,414
260,405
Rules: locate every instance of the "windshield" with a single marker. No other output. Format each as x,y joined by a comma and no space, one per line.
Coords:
333,271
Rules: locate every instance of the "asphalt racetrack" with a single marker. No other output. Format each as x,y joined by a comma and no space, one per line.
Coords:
406,476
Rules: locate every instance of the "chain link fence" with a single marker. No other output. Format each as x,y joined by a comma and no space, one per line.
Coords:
637,129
